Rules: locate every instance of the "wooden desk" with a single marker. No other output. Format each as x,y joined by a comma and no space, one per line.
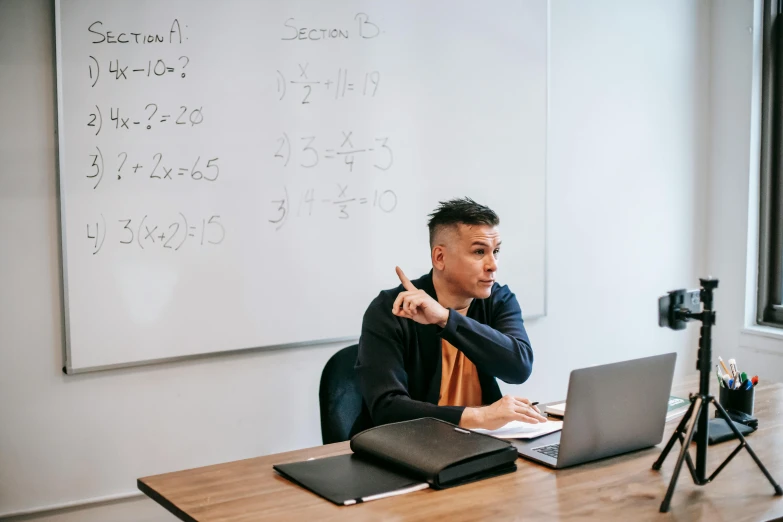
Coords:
620,488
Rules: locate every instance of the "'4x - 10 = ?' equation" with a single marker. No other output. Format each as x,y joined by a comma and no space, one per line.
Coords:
120,71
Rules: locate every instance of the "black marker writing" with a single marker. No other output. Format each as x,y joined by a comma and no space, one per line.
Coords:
112,37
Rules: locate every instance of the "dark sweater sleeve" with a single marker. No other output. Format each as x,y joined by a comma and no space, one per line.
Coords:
381,371
502,350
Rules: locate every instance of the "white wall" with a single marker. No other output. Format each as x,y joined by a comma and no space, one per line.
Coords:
628,145
733,200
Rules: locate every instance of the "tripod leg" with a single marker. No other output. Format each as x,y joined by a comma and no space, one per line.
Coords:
696,407
675,436
743,442
689,462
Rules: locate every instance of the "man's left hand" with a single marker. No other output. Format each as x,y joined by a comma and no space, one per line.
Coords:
417,304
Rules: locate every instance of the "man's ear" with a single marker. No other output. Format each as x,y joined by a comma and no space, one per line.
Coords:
438,257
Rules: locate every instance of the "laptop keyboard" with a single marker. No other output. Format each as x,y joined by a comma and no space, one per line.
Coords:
549,450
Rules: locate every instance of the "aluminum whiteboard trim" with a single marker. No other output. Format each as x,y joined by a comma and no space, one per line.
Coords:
69,370
59,153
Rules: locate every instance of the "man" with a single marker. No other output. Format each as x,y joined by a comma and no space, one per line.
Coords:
434,346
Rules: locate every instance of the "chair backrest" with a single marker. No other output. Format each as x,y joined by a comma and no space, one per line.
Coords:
339,396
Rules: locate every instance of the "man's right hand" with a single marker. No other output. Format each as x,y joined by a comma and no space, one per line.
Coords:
500,413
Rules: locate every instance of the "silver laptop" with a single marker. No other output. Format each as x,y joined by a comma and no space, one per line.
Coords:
610,409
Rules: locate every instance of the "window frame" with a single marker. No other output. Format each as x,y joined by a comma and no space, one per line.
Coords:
770,276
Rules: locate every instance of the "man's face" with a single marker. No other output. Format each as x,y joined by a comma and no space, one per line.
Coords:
470,259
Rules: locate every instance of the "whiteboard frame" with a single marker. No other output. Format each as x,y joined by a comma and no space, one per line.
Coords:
68,368
59,152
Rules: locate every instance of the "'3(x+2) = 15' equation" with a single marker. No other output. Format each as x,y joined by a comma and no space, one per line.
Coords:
150,232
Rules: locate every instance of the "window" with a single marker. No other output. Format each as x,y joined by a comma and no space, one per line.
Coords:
770,283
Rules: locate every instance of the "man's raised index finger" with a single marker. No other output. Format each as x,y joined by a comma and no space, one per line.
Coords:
406,283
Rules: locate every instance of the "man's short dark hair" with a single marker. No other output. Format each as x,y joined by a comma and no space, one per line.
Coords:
463,210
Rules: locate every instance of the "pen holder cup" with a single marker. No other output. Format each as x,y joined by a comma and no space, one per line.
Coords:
740,400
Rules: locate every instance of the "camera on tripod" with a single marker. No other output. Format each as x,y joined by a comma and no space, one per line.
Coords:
673,307
674,311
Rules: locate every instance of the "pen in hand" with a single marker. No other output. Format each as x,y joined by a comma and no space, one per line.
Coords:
533,405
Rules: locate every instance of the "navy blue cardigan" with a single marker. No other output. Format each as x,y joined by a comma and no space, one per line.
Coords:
399,363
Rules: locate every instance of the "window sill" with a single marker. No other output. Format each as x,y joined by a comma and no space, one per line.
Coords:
763,338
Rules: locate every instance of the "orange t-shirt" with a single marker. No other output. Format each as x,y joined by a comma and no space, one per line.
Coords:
459,382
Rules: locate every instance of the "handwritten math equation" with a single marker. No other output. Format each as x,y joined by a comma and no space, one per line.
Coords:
307,151
148,232
151,116
118,70
338,203
308,87
153,167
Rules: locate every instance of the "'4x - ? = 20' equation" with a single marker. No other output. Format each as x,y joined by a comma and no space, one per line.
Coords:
156,168
151,117
149,232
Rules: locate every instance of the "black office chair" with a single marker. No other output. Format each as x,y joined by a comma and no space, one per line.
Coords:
339,396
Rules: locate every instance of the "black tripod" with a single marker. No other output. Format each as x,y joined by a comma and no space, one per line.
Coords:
699,408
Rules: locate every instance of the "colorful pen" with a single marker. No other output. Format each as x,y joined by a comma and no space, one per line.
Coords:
733,368
725,370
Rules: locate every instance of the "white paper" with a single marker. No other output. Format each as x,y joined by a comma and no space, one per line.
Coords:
411,489
556,409
523,430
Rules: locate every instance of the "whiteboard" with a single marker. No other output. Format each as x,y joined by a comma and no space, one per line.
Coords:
238,175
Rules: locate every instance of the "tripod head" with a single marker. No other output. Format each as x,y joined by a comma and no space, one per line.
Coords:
680,306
